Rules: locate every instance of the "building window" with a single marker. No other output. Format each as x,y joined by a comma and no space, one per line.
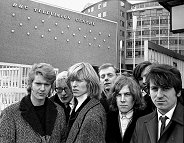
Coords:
159,11
155,41
88,10
163,42
122,4
164,21
138,23
122,23
104,4
122,14
129,44
92,9
164,31
147,12
129,53
99,15
122,33
99,6
104,14
142,5
129,34
181,42
146,22
153,12
133,7
146,32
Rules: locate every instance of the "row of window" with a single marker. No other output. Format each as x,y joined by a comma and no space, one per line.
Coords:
154,32
104,4
162,42
103,14
139,54
149,12
144,5
148,22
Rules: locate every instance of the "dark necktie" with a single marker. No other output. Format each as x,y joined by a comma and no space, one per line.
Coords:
163,120
68,108
75,105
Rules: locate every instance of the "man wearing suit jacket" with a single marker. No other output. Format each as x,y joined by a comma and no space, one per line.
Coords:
126,107
63,94
164,84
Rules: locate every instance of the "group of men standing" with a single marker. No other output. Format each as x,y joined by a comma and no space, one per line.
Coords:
98,105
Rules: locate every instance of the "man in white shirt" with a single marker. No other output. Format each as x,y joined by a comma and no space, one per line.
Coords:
164,84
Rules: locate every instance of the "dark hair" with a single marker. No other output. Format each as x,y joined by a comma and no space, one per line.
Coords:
44,69
164,75
137,71
134,88
96,69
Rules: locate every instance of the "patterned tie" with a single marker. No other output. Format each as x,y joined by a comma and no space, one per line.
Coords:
163,120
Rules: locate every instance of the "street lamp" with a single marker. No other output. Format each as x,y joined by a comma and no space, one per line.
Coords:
120,56
134,30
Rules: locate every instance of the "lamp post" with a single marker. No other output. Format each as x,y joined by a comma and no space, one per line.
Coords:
134,30
120,56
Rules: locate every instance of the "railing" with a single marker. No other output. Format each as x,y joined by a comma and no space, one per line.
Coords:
13,83
9,96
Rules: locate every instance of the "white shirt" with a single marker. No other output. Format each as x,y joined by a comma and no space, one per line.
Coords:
125,120
169,115
72,105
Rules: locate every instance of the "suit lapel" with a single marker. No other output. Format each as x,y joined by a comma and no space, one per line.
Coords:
79,120
152,127
176,118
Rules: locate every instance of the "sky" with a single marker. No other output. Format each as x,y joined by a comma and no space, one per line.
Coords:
76,5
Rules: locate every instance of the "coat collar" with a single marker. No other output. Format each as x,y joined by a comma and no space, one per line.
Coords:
80,118
152,126
178,114
152,121
28,113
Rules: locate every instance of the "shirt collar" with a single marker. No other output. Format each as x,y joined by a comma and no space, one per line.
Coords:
127,115
168,114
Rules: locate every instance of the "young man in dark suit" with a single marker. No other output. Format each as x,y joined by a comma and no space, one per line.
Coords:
165,124
126,106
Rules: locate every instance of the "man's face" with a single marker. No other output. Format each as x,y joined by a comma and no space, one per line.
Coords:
142,80
40,88
79,87
163,98
107,77
63,91
124,100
